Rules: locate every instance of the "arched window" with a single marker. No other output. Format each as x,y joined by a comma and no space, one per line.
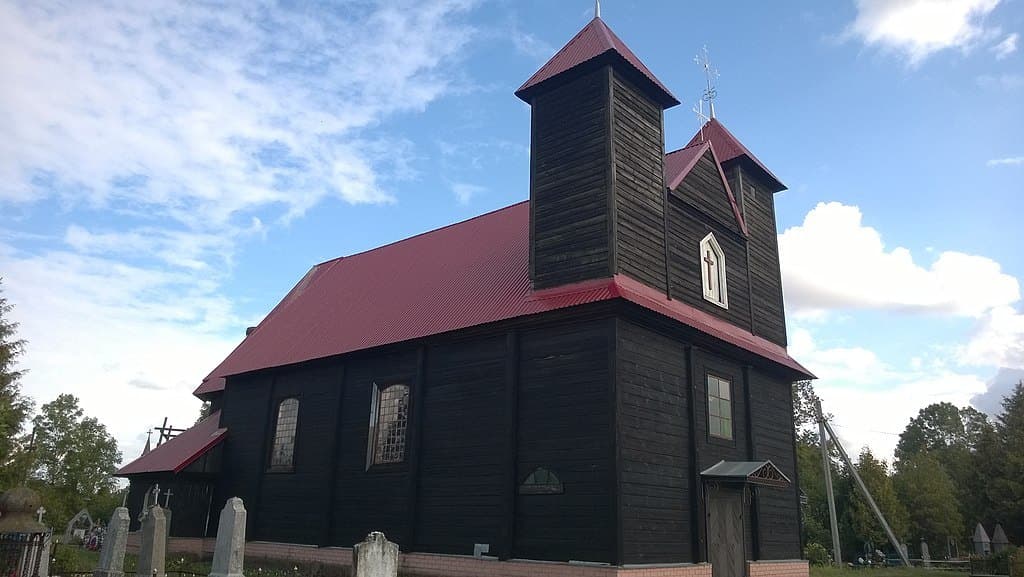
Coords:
282,452
712,271
389,421
541,482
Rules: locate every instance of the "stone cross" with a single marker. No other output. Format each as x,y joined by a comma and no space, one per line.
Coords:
375,557
153,552
156,494
229,553
114,543
40,512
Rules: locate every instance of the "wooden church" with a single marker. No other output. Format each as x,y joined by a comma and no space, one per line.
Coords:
598,374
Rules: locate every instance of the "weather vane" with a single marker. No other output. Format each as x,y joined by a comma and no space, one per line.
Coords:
703,59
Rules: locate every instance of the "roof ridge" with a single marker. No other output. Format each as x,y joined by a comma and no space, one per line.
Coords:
687,147
424,233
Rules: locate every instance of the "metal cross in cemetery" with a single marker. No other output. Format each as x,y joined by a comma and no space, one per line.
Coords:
167,498
40,512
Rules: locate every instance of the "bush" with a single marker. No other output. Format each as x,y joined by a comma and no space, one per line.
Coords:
817,554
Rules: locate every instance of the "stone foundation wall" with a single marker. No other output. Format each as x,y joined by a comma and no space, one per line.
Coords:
432,565
790,568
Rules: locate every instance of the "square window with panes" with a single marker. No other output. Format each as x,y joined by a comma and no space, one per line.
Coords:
719,407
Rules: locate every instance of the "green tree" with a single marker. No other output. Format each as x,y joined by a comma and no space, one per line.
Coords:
1008,474
74,460
14,406
923,486
861,523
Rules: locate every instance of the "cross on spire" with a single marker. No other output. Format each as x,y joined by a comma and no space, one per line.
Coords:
703,59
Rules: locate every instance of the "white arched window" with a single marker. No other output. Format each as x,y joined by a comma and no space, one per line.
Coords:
712,271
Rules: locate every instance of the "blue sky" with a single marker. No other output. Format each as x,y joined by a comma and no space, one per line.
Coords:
168,172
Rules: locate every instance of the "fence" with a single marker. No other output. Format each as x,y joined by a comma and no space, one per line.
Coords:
21,553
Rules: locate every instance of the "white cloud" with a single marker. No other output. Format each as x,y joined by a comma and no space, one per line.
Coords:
1007,47
999,387
872,402
833,261
1008,161
919,28
464,192
998,340
212,111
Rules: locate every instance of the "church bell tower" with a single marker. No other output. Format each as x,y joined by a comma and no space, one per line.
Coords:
597,186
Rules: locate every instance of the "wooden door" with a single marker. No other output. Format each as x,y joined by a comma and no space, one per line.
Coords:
725,531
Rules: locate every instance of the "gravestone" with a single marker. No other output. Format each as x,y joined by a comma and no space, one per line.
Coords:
78,526
999,540
112,553
926,556
982,544
154,544
229,554
375,557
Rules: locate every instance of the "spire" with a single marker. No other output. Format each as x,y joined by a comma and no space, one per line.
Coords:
596,40
147,449
597,8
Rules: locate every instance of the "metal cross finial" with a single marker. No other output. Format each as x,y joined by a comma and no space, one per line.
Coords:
703,59
702,118
597,8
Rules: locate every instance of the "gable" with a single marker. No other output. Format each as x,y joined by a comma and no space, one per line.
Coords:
704,186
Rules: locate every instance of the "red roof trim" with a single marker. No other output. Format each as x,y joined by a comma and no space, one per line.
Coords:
690,156
181,451
728,191
594,40
729,147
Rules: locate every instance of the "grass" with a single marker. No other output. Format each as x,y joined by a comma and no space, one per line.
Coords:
883,572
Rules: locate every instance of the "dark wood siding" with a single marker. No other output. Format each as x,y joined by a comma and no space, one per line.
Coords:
245,415
564,425
713,449
569,182
687,227
289,507
638,153
460,500
778,511
703,188
378,499
653,446
765,278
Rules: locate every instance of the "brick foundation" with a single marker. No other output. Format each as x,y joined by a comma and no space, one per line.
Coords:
789,568
432,565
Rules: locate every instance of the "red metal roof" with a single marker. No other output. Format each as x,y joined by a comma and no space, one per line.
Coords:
463,275
179,452
729,147
678,164
595,39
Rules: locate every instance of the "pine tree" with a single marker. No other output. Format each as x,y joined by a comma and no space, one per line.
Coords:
14,406
929,495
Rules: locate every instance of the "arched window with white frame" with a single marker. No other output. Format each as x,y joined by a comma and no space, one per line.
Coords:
712,271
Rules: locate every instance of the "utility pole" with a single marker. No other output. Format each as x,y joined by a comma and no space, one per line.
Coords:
823,442
867,495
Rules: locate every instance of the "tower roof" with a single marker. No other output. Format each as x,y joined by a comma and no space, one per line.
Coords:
728,147
596,39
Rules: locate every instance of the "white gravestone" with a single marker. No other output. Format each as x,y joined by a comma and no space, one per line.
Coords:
229,554
112,554
375,557
153,552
